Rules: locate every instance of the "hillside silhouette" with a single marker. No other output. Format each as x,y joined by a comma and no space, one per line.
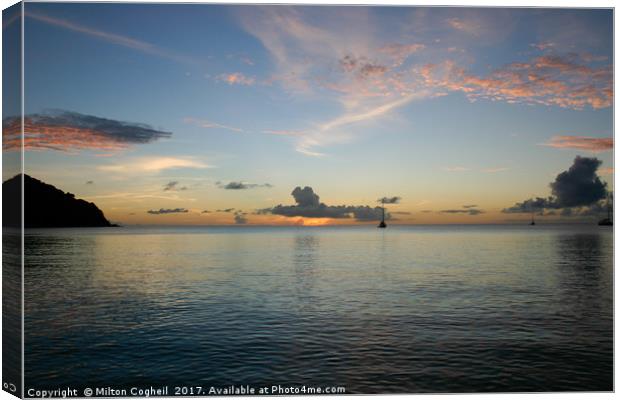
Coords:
46,206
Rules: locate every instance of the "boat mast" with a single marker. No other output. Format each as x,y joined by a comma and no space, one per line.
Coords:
383,210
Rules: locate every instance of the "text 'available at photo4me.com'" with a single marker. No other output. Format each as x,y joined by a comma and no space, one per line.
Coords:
165,391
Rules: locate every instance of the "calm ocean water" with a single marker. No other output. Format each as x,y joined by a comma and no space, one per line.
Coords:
406,309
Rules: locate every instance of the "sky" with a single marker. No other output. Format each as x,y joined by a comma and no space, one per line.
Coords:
308,115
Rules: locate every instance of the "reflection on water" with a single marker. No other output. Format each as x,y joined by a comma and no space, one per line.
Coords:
419,309
12,310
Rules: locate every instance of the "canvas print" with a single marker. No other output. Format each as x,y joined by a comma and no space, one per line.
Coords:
226,199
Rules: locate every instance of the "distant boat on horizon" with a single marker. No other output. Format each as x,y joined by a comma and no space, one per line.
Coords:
382,224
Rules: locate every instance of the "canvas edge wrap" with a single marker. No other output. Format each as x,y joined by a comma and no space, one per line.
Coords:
12,209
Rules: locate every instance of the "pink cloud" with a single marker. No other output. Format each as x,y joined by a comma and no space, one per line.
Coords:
581,143
543,45
237,78
547,80
400,52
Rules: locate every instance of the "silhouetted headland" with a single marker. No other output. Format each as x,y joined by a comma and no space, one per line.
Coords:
47,207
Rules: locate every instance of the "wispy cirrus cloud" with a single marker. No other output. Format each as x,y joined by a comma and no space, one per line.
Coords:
594,145
153,165
68,131
494,170
457,168
283,132
353,65
125,41
203,123
369,76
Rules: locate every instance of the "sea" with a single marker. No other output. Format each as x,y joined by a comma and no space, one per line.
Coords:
407,309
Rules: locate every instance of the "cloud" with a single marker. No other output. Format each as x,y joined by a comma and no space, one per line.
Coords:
494,170
585,143
389,200
365,76
309,206
237,78
240,218
362,67
536,205
153,165
168,211
205,212
90,182
113,38
401,52
284,132
563,81
242,185
470,206
543,45
337,54
469,211
330,131
70,131
210,125
173,186
226,210
579,186
465,25
456,169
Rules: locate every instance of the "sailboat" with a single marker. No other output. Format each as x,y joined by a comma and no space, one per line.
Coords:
607,221
382,223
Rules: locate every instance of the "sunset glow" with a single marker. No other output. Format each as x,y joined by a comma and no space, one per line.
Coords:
306,116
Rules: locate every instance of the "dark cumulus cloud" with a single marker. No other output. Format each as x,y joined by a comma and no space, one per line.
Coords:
225,210
173,186
470,206
168,211
309,206
242,185
389,200
90,182
240,218
580,185
577,187
205,212
69,131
